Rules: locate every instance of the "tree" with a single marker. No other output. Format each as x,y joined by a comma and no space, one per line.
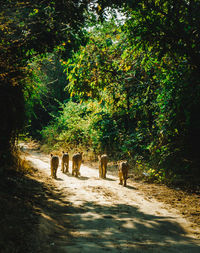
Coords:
27,30
156,70
44,92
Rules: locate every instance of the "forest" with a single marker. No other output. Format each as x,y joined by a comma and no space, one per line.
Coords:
114,77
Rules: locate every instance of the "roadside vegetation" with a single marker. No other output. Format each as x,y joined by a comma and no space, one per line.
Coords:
122,81
115,77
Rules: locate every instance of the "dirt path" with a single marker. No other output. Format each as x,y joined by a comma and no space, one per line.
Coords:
89,214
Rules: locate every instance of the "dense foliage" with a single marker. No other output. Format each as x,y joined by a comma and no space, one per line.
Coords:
129,88
146,87
29,29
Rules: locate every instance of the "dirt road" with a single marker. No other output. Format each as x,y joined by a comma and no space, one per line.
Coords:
88,214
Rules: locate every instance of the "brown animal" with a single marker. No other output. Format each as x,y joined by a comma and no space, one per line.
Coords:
65,162
54,162
103,161
123,172
76,163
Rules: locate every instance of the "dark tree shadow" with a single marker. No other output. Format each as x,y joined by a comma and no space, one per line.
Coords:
122,226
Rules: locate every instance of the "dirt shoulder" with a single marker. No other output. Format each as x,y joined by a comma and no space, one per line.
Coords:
187,204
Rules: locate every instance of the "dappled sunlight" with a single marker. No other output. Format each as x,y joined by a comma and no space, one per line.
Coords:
89,214
131,229
110,224
110,83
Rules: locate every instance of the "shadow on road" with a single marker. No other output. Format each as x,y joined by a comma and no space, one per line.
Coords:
116,228
45,221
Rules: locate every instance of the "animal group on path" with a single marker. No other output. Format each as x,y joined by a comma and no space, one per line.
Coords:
77,158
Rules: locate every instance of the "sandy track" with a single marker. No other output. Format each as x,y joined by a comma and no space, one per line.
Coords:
90,214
